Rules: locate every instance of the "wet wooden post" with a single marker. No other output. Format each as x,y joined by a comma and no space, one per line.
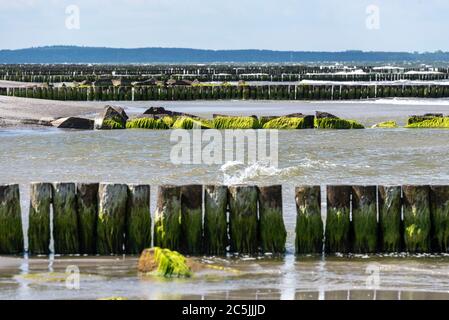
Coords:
87,203
65,220
111,223
192,219
364,219
309,224
338,219
390,222
11,233
138,225
439,208
272,232
215,220
417,222
243,222
39,218
167,226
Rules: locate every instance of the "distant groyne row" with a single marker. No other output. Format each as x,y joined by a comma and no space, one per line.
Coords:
317,91
103,218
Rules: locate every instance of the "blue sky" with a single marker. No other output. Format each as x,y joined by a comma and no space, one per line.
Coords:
328,25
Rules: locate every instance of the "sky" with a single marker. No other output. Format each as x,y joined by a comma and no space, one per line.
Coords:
300,25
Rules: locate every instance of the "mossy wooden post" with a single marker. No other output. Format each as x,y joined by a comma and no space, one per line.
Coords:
439,208
309,224
417,223
192,219
390,222
11,233
167,221
338,219
111,223
272,233
215,220
243,222
138,225
87,201
364,219
39,218
65,220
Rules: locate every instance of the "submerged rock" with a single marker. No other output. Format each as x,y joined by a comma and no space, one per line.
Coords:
111,118
73,123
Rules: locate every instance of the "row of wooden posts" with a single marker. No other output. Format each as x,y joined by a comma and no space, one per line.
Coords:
243,92
92,218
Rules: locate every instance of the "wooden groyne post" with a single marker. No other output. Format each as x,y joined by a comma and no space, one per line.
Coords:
192,219
338,219
390,221
243,222
439,199
167,226
111,218
39,218
65,219
87,206
215,220
364,219
417,221
272,232
138,224
11,233
309,224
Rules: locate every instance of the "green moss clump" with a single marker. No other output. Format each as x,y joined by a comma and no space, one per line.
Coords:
236,123
337,230
146,123
171,263
11,234
333,123
112,124
190,123
364,222
285,123
417,229
309,230
435,122
168,121
386,124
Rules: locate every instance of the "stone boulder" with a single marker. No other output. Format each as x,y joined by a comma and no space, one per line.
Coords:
73,123
161,112
324,115
111,113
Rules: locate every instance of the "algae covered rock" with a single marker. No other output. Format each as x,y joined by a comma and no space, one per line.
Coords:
285,123
420,118
236,123
386,124
190,123
111,118
147,123
430,122
164,263
324,120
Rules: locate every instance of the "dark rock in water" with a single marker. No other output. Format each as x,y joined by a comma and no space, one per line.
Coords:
295,115
74,123
433,115
161,112
324,115
111,114
428,116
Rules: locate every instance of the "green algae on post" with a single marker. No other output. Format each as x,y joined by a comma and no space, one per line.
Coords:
65,220
334,123
309,224
164,263
111,223
364,219
11,234
390,223
39,218
215,220
417,221
272,232
167,220
243,222
138,225
439,208
87,201
192,219
338,219
236,123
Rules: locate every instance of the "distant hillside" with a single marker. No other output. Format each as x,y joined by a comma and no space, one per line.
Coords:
71,54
